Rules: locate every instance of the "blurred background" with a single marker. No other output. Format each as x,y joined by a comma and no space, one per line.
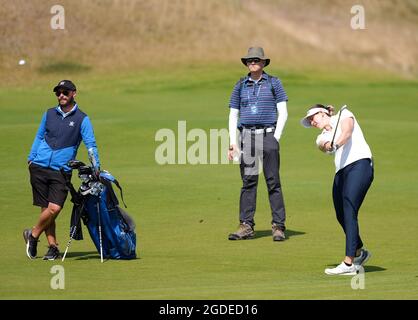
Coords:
124,35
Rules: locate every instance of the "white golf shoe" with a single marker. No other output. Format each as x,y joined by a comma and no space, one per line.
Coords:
342,270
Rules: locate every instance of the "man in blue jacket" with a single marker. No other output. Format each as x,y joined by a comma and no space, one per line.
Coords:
57,140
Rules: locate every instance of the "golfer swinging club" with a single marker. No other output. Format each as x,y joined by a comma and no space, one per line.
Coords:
342,136
57,140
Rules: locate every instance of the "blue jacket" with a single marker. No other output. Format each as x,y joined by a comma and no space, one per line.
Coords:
59,137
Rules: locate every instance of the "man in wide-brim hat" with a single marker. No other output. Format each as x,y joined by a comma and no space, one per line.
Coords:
259,101
258,53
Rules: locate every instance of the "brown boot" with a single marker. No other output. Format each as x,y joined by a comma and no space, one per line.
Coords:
244,232
278,233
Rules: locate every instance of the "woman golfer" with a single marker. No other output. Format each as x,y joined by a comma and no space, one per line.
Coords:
342,136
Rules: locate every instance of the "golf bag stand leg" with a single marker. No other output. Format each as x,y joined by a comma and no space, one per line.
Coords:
100,229
69,243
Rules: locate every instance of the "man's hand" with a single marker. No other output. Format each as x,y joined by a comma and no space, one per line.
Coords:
233,152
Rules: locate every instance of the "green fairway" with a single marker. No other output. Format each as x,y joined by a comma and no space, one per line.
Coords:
184,213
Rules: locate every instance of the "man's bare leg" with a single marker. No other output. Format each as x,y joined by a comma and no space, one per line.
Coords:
46,223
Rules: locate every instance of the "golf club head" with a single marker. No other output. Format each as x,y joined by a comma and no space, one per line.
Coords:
75,164
85,170
85,173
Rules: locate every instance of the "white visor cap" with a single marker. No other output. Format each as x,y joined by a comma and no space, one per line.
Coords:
306,122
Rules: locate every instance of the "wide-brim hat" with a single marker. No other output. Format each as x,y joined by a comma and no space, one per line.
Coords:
65,84
255,52
312,111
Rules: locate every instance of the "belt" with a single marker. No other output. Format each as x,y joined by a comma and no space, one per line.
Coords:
259,131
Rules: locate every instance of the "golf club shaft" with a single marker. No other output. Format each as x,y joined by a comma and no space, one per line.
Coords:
100,230
101,247
66,249
338,121
69,243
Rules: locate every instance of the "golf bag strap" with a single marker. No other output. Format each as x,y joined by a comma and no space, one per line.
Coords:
241,84
121,192
75,196
270,81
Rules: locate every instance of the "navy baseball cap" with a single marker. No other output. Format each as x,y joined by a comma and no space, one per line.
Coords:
65,84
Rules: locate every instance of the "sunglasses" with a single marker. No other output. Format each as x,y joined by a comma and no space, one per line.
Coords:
64,92
255,60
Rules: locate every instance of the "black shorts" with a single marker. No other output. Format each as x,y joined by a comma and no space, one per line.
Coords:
47,186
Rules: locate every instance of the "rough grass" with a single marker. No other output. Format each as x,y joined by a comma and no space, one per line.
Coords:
117,35
185,212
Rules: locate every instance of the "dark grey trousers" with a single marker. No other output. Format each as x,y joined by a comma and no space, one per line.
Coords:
257,149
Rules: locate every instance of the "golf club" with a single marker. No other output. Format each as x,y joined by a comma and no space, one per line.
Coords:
69,243
100,230
338,121
93,162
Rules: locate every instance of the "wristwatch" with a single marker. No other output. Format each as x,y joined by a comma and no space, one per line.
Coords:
231,148
337,146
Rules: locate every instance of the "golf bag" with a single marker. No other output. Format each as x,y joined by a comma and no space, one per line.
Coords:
110,227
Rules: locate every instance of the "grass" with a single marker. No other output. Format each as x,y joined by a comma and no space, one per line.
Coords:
184,212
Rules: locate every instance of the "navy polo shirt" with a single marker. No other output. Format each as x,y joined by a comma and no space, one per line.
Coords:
255,100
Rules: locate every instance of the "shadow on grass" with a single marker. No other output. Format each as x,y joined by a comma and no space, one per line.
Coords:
373,269
83,255
267,233
89,255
